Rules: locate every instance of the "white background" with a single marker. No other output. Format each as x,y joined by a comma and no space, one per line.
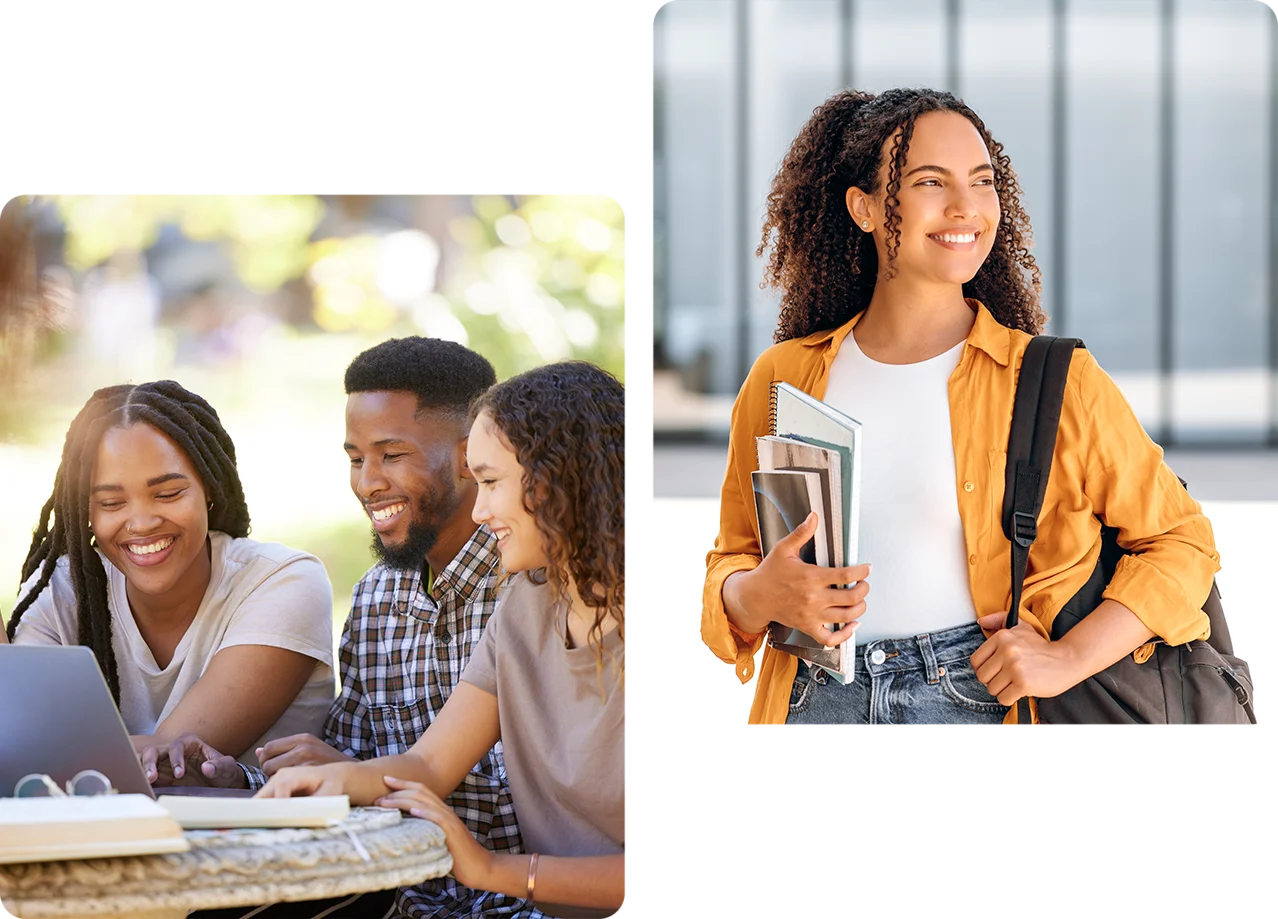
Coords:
556,96
938,816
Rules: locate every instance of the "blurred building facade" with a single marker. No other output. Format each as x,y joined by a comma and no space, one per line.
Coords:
1142,132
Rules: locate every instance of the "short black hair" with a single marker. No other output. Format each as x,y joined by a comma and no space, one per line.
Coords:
443,374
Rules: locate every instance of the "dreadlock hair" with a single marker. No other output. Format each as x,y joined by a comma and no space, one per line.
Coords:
444,375
566,424
824,267
183,417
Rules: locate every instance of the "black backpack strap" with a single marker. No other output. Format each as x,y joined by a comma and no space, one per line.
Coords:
1036,415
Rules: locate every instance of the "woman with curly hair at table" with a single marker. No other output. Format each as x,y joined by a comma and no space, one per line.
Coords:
547,450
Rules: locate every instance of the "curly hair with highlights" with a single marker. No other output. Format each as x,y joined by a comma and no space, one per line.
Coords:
566,424
824,267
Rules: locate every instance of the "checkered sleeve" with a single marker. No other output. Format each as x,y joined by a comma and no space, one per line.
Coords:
256,777
348,727
445,897
484,804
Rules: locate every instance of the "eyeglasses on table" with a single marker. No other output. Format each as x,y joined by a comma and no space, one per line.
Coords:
85,783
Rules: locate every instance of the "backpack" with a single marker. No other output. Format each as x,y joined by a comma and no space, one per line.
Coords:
1195,683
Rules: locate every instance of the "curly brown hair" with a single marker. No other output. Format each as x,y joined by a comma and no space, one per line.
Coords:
824,268
566,423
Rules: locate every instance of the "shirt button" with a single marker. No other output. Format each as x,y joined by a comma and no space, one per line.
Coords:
968,486
877,656
971,559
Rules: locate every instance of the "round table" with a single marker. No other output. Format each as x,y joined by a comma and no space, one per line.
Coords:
374,849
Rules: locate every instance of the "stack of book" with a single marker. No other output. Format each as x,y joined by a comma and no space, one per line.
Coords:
74,827
810,462
54,828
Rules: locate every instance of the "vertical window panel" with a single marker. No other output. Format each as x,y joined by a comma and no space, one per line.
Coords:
898,44
697,125
794,67
1005,77
1220,268
1112,199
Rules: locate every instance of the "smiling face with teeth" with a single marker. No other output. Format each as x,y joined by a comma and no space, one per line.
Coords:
499,502
149,514
408,471
947,203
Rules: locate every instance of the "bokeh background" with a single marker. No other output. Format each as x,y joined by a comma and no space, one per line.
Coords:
1144,134
258,303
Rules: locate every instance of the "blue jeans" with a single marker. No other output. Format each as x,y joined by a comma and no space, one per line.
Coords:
927,679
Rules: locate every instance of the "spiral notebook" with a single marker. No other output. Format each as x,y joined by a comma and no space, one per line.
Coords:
795,415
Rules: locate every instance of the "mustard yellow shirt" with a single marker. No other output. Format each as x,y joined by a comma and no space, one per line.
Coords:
1105,468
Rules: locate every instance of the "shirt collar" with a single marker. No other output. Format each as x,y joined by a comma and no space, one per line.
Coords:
466,573
464,576
987,333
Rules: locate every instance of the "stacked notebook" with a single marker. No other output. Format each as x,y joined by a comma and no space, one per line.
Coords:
810,462
49,829
55,828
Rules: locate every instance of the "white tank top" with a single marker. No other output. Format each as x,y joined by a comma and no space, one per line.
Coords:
910,528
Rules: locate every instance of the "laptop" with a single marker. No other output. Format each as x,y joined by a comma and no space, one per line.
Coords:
58,718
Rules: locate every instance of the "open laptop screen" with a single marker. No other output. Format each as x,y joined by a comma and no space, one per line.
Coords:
58,718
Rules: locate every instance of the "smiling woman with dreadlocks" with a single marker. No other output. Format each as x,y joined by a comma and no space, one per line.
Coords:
908,298
141,554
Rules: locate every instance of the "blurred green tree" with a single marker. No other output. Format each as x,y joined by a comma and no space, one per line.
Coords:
543,280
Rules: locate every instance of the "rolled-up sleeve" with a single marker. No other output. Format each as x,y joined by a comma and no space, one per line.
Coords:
737,546
1168,575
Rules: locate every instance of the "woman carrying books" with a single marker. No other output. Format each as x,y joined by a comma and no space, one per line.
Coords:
908,296
142,555
547,450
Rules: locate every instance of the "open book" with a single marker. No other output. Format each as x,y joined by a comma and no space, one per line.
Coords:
810,436
55,828
238,813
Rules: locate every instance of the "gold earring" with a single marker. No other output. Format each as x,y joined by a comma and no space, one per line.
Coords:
210,505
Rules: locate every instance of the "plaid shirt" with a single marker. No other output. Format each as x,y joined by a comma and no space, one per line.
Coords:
402,653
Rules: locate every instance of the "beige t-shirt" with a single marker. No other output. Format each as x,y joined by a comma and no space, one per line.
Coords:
258,594
562,736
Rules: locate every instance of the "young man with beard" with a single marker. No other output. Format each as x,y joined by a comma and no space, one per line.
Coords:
417,614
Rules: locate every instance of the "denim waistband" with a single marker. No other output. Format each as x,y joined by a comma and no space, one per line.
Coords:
925,652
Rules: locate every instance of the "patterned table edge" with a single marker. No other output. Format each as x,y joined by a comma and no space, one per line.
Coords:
329,864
